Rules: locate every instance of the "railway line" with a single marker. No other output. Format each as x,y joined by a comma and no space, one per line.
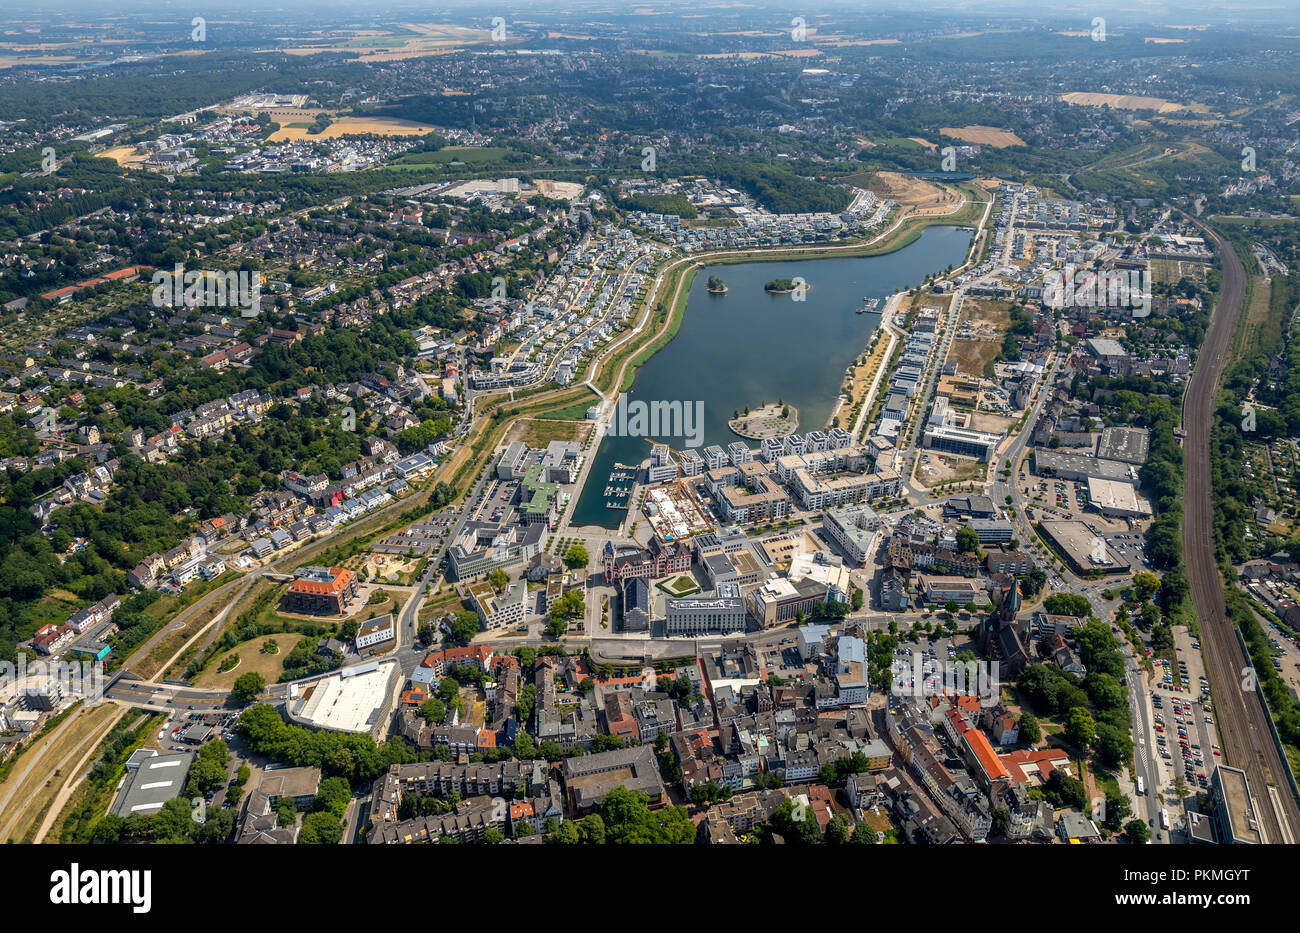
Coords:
1245,737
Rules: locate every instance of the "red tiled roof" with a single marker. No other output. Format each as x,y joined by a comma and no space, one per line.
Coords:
342,578
984,754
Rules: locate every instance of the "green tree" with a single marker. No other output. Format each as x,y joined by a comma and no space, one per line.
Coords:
433,710
498,578
591,829
464,627
1146,583
837,830
968,540
1030,731
576,557
628,819
863,835
1080,727
247,686
1137,832
320,829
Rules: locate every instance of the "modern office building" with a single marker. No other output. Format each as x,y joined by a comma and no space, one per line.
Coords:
720,614
854,529
961,441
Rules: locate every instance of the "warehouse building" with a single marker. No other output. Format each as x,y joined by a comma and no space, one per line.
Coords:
1117,499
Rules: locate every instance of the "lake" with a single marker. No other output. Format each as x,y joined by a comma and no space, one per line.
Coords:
748,346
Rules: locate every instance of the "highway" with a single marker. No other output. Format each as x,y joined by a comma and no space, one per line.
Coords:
1244,734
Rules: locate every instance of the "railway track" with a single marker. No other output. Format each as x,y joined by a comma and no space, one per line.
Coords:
1244,735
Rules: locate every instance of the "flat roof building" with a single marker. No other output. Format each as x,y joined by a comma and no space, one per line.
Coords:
375,631
152,783
1234,809
961,441
1127,445
299,784
589,778
942,589
350,700
1078,467
499,611
1117,499
853,528
991,530
1085,550
722,614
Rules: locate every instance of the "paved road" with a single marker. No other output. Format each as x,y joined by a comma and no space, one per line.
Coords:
1243,729
1144,752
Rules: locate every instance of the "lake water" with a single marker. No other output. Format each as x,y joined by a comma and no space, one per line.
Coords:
749,346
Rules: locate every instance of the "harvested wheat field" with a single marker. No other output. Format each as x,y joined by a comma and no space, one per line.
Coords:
122,155
983,136
354,126
1128,102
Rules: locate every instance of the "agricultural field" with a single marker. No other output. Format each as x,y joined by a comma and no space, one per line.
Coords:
415,40
984,136
1128,102
353,126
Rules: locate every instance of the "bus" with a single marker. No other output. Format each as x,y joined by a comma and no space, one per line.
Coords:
1164,818
1141,787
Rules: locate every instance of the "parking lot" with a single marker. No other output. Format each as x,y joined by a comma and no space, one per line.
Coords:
1286,656
1184,726
932,655
496,504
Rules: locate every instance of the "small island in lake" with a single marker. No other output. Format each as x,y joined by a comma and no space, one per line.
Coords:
784,286
716,286
766,421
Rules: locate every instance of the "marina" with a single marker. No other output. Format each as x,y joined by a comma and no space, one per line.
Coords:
618,490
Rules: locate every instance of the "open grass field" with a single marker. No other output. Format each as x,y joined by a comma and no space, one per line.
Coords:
1172,271
55,607
574,412
152,663
438,605
251,660
539,433
948,469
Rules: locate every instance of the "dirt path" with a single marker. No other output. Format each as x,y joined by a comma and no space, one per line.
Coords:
79,774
